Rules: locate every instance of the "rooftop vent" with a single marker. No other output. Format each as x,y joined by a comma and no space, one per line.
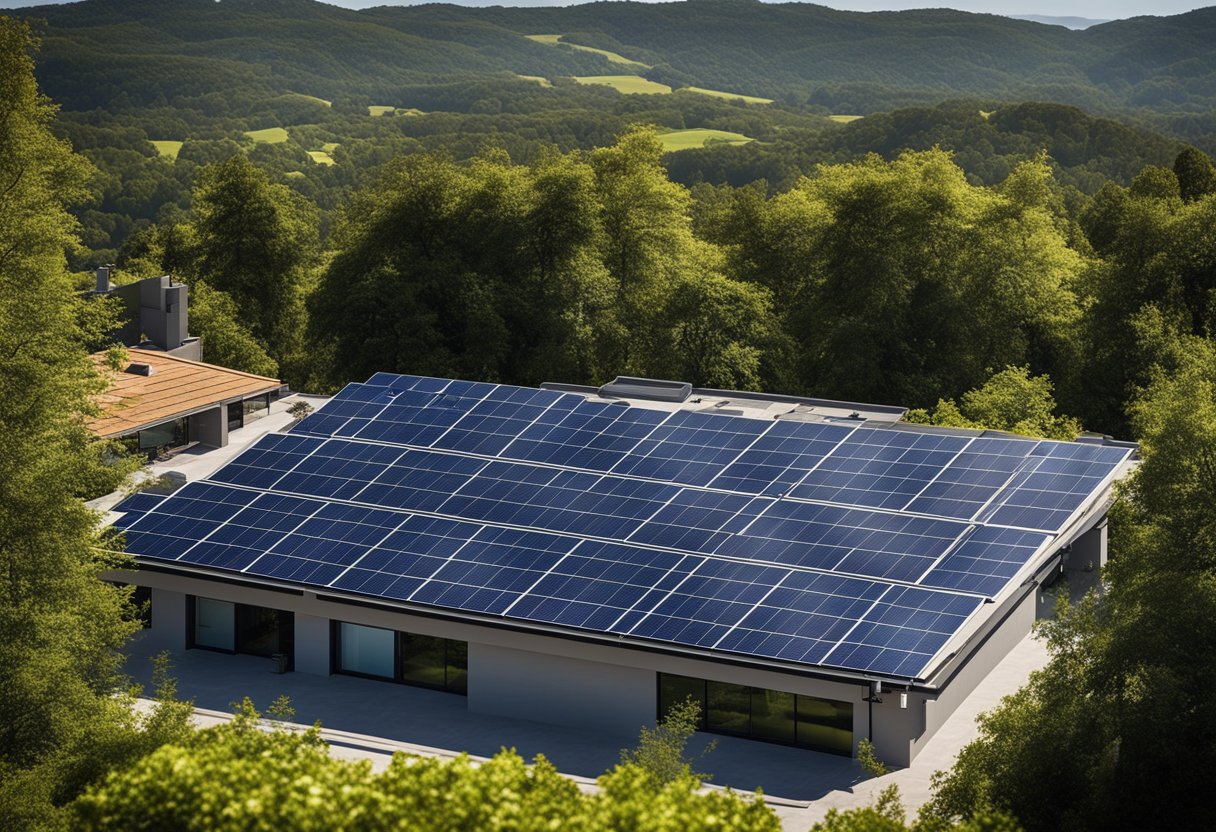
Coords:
627,387
136,368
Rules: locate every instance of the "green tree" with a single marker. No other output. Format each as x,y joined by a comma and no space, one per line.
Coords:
226,341
1196,174
1012,400
887,814
660,751
63,715
1115,732
246,774
257,242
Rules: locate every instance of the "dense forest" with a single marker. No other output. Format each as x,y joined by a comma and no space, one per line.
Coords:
1020,233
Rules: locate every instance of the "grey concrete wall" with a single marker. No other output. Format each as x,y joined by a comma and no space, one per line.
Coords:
168,630
210,427
312,644
560,690
1088,554
898,733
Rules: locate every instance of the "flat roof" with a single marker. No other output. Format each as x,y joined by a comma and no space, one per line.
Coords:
734,532
176,387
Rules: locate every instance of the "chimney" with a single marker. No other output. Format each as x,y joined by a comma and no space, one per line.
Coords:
103,278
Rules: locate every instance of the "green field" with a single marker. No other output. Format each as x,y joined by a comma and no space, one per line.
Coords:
843,119
552,40
685,139
294,174
747,99
321,157
168,149
986,114
376,110
624,83
540,79
271,135
311,98
329,147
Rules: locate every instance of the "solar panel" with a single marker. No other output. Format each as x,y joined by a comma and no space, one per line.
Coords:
808,542
134,507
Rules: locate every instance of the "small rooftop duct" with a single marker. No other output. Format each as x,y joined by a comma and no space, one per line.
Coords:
628,387
137,368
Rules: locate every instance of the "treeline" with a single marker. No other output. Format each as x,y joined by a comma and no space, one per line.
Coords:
891,281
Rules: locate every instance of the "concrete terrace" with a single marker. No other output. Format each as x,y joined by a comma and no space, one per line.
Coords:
367,719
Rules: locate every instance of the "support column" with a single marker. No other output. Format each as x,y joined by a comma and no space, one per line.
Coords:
312,644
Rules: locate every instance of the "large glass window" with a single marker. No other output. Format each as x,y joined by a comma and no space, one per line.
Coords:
214,624
172,434
255,408
236,416
367,650
427,661
761,714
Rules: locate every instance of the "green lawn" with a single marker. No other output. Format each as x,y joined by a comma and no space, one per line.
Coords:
321,157
552,40
986,114
271,135
624,83
685,139
747,99
294,174
311,98
844,119
329,147
168,149
385,110
540,79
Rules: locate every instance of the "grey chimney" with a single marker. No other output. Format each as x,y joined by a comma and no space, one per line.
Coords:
103,278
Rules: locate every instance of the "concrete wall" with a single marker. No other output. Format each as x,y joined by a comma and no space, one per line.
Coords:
210,427
312,644
560,690
168,631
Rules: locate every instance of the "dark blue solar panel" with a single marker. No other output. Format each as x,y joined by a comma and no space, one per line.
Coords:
267,460
973,478
698,521
493,570
691,447
855,541
985,560
709,602
395,382
420,480
134,507
252,532
418,416
326,543
354,401
1058,480
408,557
594,436
564,501
339,469
879,468
781,457
600,583
495,421
803,618
177,524
904,631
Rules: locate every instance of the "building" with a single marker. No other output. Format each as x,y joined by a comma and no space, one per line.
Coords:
813,572
160,402
155,314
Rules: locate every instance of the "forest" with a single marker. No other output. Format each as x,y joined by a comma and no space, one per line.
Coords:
1032,248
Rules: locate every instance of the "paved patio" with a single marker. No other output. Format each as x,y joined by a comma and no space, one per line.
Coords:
369,719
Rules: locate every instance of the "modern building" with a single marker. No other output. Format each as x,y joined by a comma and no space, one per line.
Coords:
812,572
160,402
156,314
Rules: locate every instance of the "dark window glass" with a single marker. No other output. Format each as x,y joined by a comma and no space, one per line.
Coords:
773,715
458,666
675,689
728,708
257,630
236,416
165,435
825,725
255,408
422,660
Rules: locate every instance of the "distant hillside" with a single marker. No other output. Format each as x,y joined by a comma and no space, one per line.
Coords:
143,51
1066,22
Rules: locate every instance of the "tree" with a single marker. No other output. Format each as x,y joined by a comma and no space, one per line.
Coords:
257,242
215,318
887,814
1012,400
1196,174
63,719
1116,731
246,774
661,750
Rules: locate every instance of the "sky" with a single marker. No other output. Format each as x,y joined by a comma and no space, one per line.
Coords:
1094,9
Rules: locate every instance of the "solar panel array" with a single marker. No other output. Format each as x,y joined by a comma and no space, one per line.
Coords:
825,543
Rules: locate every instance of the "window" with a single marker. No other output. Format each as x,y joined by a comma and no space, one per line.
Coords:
236,415
255,408
171,434
240,628
425,661
761,714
